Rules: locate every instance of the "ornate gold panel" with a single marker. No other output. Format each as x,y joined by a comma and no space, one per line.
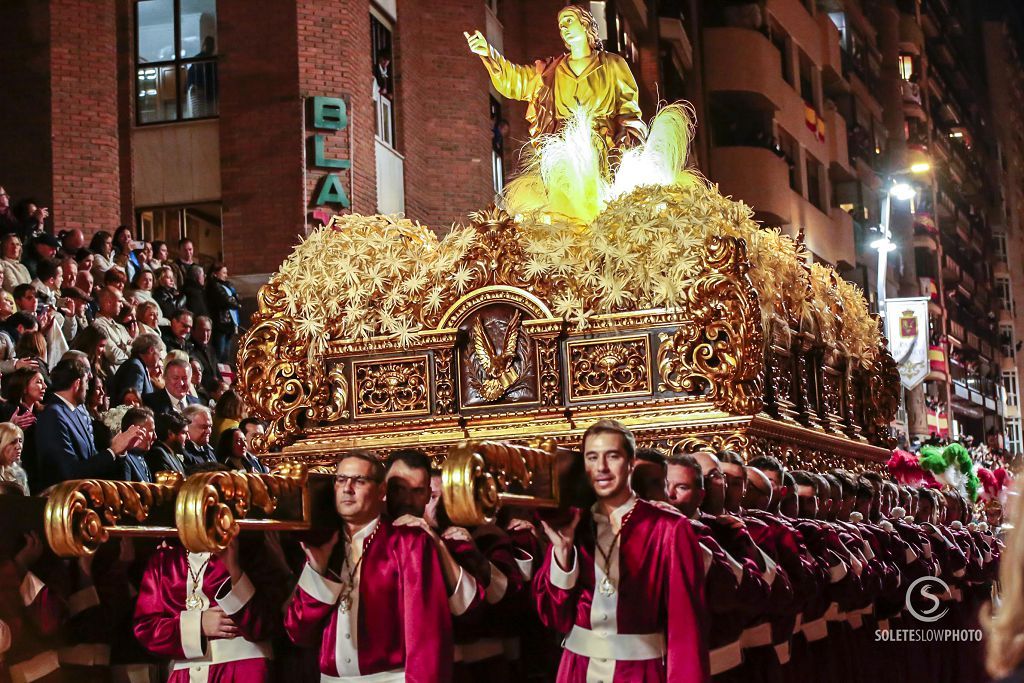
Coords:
609,368
387,388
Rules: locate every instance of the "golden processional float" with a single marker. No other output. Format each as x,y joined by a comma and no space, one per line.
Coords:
606,282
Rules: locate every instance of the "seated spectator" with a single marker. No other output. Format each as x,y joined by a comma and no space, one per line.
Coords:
222,300
8,221
161,256
79,301
148,314
15,272
174,397
230,411
119,340
134,466
123,253
142,288
231,450
70,242
203,352
176,334
32,346
23,392
197,446
219,390
93,344
11,450
147,357
15,325
64,434
115,279
42,248
101,246
252,427
128,320
167,453
68,271
31,219
145,256
6,303
128,397
27,301
49,275
166,293
194,290
196,384
185,262
97,404
86,260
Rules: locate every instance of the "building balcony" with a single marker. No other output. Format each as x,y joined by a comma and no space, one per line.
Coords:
926,241
758,177
744,63
832,77
911,35
837,139
673,32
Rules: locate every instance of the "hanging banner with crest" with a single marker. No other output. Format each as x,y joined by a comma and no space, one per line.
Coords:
906,326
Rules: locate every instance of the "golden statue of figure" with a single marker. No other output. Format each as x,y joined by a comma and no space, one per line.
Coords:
587,77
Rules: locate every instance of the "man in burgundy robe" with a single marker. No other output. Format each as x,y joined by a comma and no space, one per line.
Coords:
378,607
213,618
625,580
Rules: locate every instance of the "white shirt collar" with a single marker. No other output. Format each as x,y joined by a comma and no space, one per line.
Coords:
66,402
617,514
361,535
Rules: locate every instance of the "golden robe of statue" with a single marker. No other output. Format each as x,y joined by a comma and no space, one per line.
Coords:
585,77
606,88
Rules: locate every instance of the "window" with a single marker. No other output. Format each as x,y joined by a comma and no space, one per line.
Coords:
781,43
791,153
807,81
382,54
1013,435
199,222
999,243
1006,340
1010,386
1004,293
906,67
815,176
615,32
176,60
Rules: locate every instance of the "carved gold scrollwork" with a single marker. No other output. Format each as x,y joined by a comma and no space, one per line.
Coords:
478,476
78,513
619,367
548,374
444,385
734,441
396,387
210,505
720,349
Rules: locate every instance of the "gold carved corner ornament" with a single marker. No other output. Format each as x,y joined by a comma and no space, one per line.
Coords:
719,349
211,507
80,514
279,380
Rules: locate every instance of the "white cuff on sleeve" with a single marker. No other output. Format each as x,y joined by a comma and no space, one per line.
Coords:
524,561
707,557
82,600
31,585
837,572
235,596
318,587
857,565
191,626
911,555
465,589
869,554
959,572
566,580
497,587
770,568
927,549
736,567
5,637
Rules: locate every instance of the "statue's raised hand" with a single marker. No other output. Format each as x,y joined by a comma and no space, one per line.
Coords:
477,43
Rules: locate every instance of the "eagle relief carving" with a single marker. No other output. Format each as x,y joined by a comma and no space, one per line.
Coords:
497,362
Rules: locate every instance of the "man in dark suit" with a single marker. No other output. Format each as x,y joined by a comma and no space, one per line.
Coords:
174,397
167,453
176,335
147,355
197,444
251,427
64,438
202,332
134,466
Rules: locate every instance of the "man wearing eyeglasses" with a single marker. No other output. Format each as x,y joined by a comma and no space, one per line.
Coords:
625,579
376,602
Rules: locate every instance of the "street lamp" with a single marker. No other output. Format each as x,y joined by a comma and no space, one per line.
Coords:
899,190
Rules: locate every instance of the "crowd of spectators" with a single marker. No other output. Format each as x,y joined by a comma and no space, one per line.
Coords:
116,358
